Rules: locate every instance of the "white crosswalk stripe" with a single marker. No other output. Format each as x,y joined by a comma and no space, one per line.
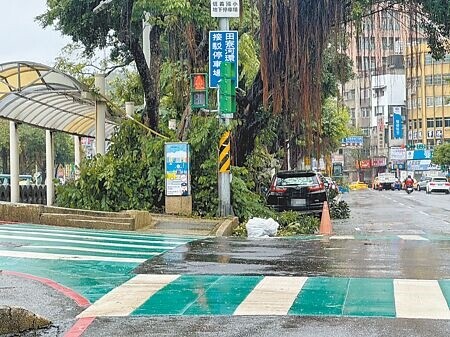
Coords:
420,299
274,295
412,237
124,299
43,242
49,256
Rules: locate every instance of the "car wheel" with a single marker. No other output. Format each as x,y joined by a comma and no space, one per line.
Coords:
447,192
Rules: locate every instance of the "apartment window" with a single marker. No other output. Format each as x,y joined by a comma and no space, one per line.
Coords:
428,59
415,124
447,58
438,101
437,79
430,123
379,110
439,122
428,80
365,131
447,122
430,101
364,113
447,100
420,124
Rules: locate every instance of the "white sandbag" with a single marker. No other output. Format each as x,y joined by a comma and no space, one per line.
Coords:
259,227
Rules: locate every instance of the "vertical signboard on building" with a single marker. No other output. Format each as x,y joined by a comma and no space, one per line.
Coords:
177,169
398,127
223,47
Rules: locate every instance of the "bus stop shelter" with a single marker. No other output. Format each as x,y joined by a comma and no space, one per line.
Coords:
44,97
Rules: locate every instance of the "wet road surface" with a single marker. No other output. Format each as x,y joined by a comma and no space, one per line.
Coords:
375,257
390,259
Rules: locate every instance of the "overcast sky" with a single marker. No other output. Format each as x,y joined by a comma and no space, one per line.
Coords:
22,38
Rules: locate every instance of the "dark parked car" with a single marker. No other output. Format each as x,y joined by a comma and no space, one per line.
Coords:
297,190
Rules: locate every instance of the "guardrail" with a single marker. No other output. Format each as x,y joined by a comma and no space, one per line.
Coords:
28,194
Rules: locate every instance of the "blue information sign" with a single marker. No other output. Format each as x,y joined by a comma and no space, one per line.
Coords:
223,46
398,128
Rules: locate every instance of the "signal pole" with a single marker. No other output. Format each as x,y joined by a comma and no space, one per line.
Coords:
224,151
226,92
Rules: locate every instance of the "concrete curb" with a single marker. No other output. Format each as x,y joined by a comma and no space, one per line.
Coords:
227,226
17,320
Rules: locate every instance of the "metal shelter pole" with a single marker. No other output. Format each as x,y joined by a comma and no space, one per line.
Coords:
100,113
14,161
49,166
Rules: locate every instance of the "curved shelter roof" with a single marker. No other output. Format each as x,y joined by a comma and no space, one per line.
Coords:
41,96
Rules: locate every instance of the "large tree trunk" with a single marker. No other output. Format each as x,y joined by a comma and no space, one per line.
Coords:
246,132
149,75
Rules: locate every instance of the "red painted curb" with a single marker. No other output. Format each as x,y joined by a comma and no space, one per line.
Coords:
79,327
79,299
7,222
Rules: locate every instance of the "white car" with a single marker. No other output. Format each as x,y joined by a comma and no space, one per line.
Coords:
438,184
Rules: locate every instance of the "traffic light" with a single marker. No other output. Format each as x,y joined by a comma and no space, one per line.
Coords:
199,91
227,89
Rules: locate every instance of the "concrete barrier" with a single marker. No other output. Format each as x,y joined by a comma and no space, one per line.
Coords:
227,226
60,216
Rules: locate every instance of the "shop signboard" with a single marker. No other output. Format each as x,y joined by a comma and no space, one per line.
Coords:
378,161
422,165
397,153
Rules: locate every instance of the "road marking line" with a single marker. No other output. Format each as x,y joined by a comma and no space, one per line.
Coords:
274,295
95,243
422,212
126,298
76,297
410,207
111,233
91,250
412,237
342,237
47,256
420,299
394,200
89,237
401,204
79,327
357,229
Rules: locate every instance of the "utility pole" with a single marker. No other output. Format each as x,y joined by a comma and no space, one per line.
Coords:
223,76
224,151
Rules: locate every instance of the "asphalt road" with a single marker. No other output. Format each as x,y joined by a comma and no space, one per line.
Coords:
390,235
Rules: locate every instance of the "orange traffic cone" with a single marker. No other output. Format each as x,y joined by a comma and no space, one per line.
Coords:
326,227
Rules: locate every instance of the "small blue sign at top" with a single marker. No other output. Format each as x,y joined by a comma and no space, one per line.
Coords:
223,47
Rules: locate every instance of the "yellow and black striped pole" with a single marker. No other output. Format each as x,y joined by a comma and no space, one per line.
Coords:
224,175
224,153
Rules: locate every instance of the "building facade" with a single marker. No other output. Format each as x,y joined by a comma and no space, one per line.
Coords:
428,97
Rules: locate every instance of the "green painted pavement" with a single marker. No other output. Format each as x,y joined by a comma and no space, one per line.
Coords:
445,287
370,297
92,279
321,296
176,297
224,295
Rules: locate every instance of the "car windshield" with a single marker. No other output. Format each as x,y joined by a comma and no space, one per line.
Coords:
440,179
297,181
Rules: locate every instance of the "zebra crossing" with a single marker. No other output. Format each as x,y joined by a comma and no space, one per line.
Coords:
43,242
91,262
191,295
